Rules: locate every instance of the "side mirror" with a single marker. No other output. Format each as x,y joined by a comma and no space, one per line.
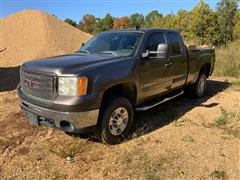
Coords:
163,51
145,54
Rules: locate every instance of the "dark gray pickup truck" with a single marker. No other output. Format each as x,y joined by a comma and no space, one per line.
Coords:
116,73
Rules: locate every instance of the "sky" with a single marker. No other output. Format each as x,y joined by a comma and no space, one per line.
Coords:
75,9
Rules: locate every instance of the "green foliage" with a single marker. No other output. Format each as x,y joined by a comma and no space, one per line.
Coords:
136,20
201,25
181,22
107,22
226,10
236,29
151,18
70,21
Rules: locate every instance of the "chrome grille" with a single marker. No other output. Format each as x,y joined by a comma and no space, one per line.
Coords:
39,85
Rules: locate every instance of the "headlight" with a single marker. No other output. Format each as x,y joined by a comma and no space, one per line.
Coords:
72,86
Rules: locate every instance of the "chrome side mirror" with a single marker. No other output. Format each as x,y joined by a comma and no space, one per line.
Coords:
145,54
163,51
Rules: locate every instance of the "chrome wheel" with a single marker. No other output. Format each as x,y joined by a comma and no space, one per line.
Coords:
118,121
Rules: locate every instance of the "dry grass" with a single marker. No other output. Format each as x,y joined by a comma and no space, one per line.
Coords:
228,121
169,143
228,61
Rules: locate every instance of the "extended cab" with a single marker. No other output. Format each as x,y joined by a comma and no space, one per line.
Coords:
116,73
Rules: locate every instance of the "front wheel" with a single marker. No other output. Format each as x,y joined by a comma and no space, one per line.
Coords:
116,120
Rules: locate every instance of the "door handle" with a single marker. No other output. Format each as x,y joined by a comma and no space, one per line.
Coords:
167,64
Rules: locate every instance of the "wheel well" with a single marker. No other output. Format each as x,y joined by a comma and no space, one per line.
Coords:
127,90
206,69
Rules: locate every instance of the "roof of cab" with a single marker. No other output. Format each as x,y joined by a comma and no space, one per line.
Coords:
141,30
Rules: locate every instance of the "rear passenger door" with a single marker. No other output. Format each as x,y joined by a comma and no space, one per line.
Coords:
177,60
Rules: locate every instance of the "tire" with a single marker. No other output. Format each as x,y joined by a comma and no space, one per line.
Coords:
198,89
113,127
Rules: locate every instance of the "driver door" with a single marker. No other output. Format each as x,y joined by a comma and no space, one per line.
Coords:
154,72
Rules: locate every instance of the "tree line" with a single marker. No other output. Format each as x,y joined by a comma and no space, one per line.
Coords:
201,25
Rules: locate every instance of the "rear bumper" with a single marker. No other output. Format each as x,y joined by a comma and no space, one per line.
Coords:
66,121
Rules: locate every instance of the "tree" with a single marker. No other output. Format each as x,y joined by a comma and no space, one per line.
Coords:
202,24
107,22
226,10
167,21
87,23
151,18
181,22
236,29
70,21
121,23
98,27
136,20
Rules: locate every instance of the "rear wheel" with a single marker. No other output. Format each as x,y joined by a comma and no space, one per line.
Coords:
198,89
115,120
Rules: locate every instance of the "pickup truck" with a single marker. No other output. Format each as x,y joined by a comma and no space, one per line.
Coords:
112,76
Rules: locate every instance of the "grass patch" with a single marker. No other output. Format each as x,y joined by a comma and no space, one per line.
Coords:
58,175
140,163
236,84
228,60
69,148
223,119
188,139
218,174
228,121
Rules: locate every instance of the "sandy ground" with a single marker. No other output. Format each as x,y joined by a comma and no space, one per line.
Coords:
176,140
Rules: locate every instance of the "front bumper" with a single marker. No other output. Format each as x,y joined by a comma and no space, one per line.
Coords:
66,121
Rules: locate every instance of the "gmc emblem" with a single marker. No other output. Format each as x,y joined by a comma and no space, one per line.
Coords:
31,84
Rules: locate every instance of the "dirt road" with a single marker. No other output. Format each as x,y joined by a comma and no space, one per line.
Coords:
182,139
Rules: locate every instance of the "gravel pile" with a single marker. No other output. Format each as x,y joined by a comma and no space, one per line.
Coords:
32,34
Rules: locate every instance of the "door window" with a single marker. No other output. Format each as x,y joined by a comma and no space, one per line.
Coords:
174,44
154,40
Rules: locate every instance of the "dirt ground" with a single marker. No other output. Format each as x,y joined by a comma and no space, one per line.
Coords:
181,139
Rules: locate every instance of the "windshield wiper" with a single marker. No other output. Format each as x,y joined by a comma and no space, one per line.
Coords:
108,52
83,51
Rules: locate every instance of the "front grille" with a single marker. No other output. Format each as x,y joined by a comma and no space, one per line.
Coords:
39,85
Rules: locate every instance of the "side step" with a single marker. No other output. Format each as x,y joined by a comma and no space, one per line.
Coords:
156,102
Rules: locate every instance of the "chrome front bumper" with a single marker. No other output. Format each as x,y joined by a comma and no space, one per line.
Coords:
66,121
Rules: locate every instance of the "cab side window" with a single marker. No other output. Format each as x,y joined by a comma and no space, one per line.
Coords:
174,44
154,40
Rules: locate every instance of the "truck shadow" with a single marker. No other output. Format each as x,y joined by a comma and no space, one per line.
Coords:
162,115
9,78
166,113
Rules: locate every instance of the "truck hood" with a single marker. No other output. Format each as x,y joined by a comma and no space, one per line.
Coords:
68,64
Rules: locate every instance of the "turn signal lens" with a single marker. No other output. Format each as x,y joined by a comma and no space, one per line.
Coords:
82,86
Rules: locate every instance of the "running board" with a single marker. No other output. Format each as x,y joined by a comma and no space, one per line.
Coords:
151,105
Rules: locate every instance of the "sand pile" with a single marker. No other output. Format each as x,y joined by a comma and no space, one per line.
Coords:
32,34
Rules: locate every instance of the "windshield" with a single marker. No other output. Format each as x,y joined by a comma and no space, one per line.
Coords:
112,43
